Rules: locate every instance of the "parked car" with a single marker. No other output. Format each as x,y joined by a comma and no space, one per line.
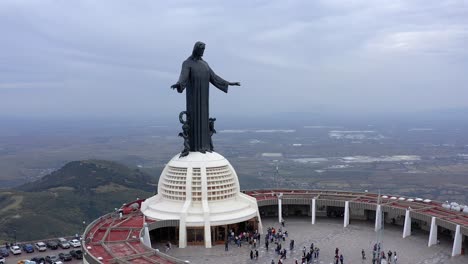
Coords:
65,256
15,250
58,262
4,252
52,244
41,246
28,248
51,259
26,261
39,260
63,243
78,254
75,243
2,260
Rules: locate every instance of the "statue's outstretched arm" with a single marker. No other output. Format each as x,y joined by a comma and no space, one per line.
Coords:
220,83
183,78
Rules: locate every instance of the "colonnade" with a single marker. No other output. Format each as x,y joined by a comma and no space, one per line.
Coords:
457,241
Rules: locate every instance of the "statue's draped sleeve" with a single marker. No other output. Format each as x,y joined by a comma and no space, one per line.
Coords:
218,82
184,77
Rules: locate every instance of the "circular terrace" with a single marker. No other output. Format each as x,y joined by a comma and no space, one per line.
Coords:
115,238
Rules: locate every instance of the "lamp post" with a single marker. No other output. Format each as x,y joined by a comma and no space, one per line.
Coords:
14,230
83,229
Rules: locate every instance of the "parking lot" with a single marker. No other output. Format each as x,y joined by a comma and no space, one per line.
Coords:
13,259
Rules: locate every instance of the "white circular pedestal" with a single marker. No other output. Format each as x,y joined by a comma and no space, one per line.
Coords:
200,190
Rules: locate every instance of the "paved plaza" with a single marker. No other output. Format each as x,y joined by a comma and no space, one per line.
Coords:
328,234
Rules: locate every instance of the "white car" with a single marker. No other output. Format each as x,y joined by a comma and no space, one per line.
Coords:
58,262
40,246
15,250
75,243
2,260
26,261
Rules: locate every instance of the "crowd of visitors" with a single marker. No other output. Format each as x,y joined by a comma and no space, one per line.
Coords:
251,237
310,256
277,236
379,256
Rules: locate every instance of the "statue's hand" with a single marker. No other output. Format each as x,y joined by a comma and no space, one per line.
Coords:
235,84
175,86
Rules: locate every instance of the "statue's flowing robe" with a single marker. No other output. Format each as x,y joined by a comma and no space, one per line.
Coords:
195,77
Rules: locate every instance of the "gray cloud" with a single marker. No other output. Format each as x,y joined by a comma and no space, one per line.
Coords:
120,57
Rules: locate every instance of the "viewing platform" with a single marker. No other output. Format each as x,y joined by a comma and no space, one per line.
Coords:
123,239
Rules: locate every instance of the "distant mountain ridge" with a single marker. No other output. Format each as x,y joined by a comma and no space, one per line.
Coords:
57,204
87,175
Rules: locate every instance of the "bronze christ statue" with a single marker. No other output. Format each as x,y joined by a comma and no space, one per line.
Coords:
195,77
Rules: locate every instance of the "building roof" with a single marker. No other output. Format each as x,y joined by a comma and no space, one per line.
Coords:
110,239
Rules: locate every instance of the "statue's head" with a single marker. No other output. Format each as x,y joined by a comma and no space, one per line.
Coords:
198,50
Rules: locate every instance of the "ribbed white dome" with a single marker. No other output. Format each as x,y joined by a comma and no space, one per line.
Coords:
221,178
199,189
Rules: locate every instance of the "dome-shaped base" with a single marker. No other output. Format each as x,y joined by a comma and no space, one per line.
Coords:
200,190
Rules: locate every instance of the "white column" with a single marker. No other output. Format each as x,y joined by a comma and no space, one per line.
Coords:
313,211
378,218
182,233
280,212
346,214
457,242
260,225
183,213
433,233
407,227
206,208
207,235
146,236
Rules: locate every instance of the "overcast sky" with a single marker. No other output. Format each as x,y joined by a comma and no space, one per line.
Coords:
116,58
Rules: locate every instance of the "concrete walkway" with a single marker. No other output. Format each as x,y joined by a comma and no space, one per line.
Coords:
328,234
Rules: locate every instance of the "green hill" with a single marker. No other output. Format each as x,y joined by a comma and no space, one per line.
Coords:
57,204
84,176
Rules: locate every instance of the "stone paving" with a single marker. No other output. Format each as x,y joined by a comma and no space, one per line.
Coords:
328,234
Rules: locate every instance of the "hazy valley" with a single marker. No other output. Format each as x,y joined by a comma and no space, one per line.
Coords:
415,160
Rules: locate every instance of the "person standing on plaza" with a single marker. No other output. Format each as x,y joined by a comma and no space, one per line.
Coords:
251,254
363,253
168,246
226,245
256,254
341,258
